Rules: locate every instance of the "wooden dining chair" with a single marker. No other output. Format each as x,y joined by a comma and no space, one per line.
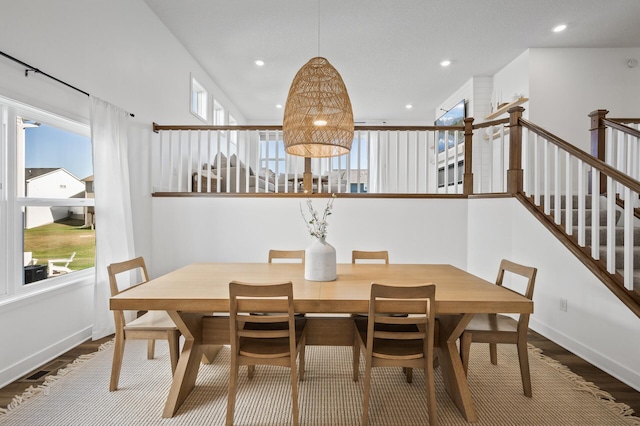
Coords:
369,255
286,254
152,326
494,329
274,339
394,341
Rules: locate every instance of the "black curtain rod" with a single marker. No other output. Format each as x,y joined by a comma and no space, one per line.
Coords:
29,68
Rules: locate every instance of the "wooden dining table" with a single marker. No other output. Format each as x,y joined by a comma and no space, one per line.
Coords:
197,297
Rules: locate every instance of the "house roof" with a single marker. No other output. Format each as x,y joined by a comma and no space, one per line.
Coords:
31,173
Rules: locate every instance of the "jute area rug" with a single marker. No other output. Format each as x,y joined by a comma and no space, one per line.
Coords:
79,395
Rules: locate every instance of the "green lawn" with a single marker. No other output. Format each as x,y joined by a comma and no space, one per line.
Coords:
58,240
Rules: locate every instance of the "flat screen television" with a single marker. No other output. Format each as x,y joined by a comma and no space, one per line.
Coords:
453,117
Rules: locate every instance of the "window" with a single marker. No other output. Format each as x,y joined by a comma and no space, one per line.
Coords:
48,190
272,153
218,114
199,100
450,170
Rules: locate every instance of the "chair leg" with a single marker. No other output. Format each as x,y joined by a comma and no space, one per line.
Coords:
356,357
523,357
303,345
151,348
465,347
233,387
431,390
173,337
409,373
251,369
294,393
118,352
493,353
367,393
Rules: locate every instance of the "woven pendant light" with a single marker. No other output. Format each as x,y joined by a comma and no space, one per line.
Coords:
318,120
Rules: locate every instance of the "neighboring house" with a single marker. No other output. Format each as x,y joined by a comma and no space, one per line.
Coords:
89,212
51,183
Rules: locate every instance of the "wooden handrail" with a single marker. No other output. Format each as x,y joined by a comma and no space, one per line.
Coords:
626,120
619,126
491,123
157,127
603,167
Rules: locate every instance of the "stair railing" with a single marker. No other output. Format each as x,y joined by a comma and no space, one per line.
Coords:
555,175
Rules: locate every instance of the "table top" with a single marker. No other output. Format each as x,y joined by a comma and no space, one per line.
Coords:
204,287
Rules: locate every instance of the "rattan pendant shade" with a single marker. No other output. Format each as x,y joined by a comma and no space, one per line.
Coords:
318,120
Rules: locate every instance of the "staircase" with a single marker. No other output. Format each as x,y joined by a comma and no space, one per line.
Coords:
614,282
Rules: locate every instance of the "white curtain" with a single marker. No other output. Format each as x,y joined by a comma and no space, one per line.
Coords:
114,226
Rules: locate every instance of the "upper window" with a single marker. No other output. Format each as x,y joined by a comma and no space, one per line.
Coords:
219,114
199,100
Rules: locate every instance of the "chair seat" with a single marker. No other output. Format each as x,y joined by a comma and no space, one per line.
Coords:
490,323
152,320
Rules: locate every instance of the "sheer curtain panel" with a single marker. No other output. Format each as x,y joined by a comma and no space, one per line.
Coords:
114,226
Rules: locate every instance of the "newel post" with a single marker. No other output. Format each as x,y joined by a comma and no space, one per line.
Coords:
307,183
514,173
598,141
467,179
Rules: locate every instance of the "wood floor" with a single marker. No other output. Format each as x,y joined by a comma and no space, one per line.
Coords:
620,391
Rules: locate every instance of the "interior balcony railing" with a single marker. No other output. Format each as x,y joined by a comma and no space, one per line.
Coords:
252,160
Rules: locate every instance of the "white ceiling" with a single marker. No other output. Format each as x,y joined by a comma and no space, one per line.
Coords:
387,51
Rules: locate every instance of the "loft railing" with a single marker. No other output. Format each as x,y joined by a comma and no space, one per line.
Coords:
252,160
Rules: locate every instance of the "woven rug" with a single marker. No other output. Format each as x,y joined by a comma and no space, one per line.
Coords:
79,394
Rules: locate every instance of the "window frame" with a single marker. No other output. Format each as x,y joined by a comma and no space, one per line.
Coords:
199,100
12,161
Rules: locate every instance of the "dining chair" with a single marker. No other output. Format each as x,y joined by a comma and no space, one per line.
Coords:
368,255
286,254
494,329
152,326
274,339
394,341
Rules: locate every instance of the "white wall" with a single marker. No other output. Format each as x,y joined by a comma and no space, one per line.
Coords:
189,230
596,325
118,51
567,84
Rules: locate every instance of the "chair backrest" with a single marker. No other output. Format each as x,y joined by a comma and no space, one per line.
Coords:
120,267
70,259
526,272
247,299
402,300
360,255
28,257
286,254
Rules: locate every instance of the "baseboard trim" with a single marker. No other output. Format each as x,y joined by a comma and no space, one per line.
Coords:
20,369
609,366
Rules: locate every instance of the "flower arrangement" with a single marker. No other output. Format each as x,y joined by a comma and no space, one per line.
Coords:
317,226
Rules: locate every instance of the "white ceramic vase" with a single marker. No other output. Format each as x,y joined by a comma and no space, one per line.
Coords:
320,261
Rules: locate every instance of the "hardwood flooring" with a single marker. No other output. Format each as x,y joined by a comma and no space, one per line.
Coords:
620,391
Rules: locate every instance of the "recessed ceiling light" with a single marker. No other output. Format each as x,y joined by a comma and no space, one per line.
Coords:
445,63
259,62
559,28
408,106
278,106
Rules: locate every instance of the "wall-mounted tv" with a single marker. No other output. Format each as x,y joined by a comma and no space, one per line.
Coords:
453,117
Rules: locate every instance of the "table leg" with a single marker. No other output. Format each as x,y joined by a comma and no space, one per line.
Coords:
451,327
186,373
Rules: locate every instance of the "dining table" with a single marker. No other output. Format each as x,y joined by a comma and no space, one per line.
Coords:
196,297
